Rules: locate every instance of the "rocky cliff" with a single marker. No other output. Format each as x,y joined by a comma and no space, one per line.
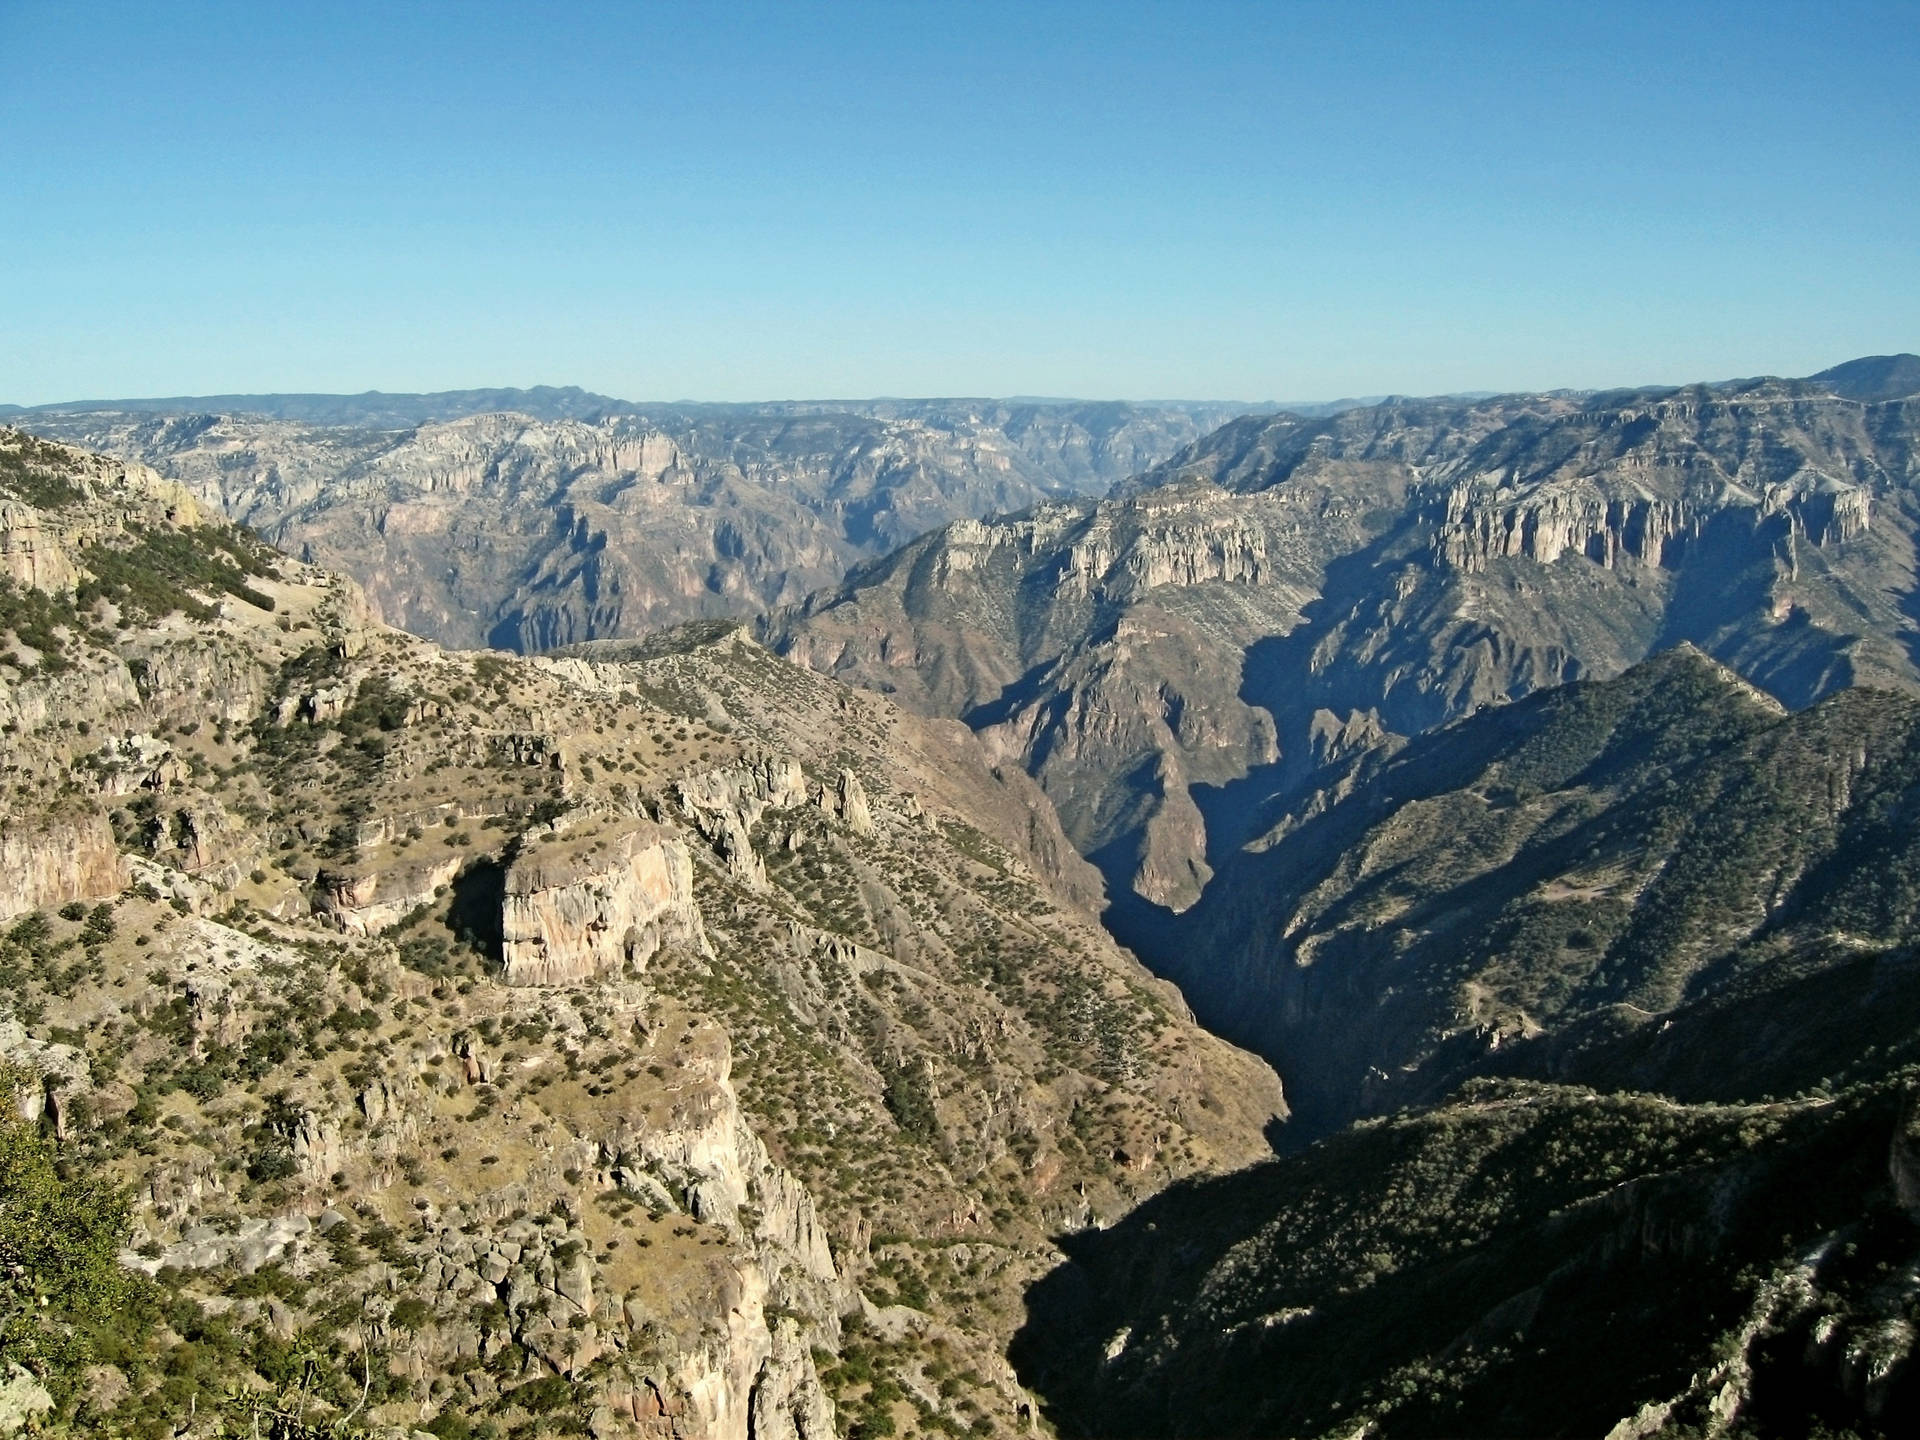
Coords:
50,860
536,529
595,903
379,898
1166,662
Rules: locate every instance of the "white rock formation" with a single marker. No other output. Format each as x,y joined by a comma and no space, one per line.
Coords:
370,901
725,804
596,902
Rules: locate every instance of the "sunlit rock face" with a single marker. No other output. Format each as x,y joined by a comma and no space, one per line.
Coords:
1174,662
45,863
591,905
546,523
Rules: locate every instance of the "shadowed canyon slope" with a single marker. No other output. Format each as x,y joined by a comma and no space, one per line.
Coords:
1174,662
1526,1260
533,519
1599,880
1626,978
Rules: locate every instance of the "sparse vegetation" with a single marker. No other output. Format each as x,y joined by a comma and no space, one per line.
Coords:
377,1187
164,571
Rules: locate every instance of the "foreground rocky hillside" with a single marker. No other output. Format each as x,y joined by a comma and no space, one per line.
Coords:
528,520
1174,663
668,1042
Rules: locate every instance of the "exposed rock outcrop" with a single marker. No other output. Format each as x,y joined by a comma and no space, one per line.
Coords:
594,903
56,1074
786,1401
29,554
368,901
846,798
1541,523
46,861
744,1379
134,761
712,1163
724,805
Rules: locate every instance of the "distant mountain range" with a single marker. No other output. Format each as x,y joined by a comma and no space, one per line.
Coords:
371,407
531,519
1177,661
569,402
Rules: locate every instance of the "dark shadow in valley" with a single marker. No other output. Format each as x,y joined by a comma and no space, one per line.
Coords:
1822,1018
1284,1299
1232,996
474,909
1010,701
510,633
1724,578
1059,1353
1278,675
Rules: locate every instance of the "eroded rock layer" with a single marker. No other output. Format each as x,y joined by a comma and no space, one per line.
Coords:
557,519
595,904
1174,662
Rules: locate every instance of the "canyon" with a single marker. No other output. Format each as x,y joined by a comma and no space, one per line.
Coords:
660,1035
1174,663
716,1020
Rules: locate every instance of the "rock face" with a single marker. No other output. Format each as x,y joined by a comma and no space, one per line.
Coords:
58,1075
28,555
595,904
848,800
376,900
47,862
1171,663
713,1165
536,530
41,533
724,806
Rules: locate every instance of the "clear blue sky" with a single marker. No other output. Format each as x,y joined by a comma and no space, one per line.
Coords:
737,201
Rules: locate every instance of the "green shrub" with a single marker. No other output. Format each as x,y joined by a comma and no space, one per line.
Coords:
541,1396
37,472
63,1291
909,1099
160,572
